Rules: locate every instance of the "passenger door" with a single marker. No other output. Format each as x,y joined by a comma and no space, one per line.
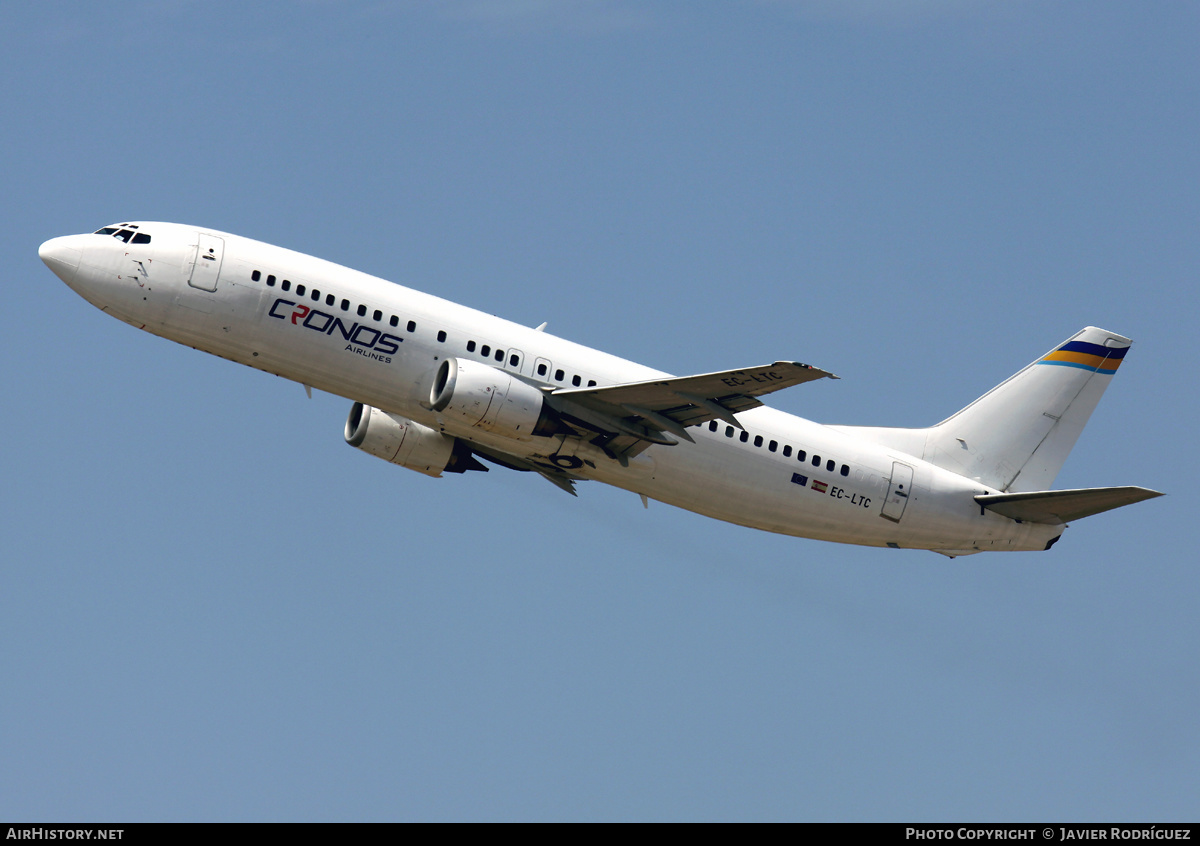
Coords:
206,264
898,491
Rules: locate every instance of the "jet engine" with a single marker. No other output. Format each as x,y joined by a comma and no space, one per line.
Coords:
406,442
474,395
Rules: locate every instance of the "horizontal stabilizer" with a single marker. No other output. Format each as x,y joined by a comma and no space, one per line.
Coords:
1062,506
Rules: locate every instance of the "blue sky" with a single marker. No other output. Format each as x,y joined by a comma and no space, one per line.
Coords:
212,609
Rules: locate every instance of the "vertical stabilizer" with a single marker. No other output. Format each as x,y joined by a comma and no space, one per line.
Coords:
1016,437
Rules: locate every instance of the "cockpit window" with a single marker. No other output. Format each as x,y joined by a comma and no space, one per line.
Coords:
125,232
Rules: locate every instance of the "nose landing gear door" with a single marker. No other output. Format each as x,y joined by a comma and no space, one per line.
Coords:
206,264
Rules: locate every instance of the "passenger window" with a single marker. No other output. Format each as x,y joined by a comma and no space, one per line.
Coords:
256,275
412,326
285,285
758,439
394,321
485,350
729,431
441,336
470,346
271,281
712,425
345,305
816,462
499,355
514,361
541,370
316,295
378,315
801,455
558,375
845,470
591,383
787,450
773,445
299,290
745,436
830,464
330,299
362,311
576,381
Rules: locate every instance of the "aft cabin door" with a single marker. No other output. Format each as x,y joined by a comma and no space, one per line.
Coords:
898,490
206,266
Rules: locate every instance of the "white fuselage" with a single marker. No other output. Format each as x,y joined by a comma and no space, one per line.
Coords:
387,356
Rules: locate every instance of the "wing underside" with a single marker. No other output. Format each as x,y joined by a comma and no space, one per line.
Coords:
627,418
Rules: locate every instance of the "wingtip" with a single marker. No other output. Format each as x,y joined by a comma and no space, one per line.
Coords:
807,367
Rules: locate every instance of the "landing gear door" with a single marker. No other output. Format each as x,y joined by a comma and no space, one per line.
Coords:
206,265
898,491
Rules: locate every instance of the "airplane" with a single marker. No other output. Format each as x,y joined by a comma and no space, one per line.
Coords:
439,388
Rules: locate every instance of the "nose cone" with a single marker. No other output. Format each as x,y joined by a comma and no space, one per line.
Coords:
62,256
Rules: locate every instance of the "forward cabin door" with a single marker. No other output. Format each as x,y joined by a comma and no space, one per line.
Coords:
206,265
898,490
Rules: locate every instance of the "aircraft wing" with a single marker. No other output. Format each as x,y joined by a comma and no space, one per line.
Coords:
642,413
1062,506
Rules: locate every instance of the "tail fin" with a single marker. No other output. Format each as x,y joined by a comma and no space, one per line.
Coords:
1016,437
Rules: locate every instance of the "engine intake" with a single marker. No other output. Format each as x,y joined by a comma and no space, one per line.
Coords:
473,395
406,442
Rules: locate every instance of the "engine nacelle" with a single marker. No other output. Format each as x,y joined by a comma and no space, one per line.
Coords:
400,440
473,395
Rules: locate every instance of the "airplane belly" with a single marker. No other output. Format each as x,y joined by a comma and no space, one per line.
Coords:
724,483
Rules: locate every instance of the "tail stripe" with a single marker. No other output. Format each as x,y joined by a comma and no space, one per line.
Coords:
1087,356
